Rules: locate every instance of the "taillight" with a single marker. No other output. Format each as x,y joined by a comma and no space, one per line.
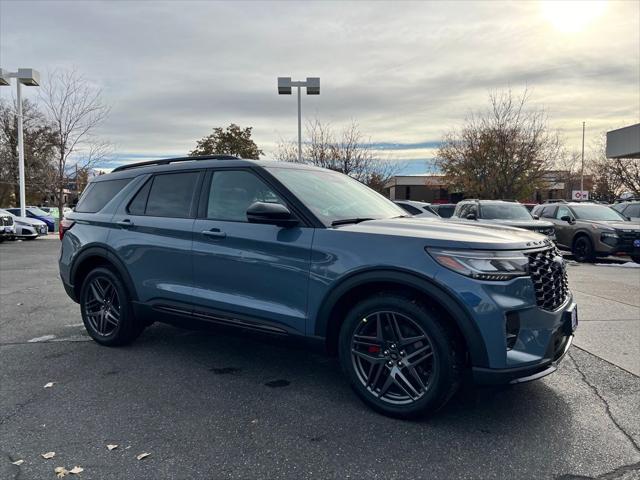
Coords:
65,224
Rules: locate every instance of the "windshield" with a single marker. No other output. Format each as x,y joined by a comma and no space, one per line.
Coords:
333,196
38,212
597,212
505,211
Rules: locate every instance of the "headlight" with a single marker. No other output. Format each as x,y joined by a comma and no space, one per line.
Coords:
609,237
483,265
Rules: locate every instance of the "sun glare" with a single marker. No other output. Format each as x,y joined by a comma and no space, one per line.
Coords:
572,16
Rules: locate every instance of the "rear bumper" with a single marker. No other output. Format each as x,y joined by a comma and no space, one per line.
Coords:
495,376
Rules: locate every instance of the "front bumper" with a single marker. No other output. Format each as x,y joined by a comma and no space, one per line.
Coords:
528,373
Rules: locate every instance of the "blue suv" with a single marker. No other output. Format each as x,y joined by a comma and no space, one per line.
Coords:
410,306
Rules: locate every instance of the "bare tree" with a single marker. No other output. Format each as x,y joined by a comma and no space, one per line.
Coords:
75,109
349,153
38,148
502,152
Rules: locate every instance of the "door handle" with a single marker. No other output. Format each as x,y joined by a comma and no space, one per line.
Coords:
126,223
214,233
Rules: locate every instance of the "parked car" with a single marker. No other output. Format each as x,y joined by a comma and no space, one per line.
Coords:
444,210
530,206
7,226
51,211
417,209
500,212
408,304
590,230
25,227
631,210
36,213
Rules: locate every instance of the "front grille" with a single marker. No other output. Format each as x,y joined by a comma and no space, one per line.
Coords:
627,238
6,221
549,276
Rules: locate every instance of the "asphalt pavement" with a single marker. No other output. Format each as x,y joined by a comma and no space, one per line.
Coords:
221,404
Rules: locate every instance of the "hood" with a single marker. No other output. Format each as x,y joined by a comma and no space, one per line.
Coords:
34,222
618,225
529,224
443,233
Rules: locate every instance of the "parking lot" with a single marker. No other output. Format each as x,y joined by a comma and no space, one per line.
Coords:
228,404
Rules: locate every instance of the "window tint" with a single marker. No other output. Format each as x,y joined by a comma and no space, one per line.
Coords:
633,210
410,208
233,191
98,194
446,211
548,212
139,202
171,195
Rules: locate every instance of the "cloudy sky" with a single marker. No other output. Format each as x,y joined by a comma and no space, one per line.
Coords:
406,72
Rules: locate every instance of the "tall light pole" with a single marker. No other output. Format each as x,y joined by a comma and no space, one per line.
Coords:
313,88
582,167
31,78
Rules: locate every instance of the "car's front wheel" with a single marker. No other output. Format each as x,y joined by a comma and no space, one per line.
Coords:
106,309
583,249
398,357
635,258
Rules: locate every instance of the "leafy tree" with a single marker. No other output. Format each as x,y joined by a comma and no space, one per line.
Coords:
502,152
39,151
233,140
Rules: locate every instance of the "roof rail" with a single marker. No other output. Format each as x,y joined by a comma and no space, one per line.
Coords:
554,200
167,161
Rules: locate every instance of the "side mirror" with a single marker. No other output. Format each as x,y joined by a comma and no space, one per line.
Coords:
271,214
471,216
566,218
536,217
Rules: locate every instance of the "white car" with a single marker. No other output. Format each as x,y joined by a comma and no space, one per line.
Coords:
7,226
27,228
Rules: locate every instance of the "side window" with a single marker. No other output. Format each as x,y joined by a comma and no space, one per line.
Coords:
632,210
562,212
138,205
462,211
548,212
98,194
409,208
233,191
171,195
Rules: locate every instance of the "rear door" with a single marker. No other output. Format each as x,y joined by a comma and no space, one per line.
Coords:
248,272
152,235
564,229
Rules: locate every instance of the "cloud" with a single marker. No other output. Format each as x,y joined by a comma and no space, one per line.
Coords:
406,72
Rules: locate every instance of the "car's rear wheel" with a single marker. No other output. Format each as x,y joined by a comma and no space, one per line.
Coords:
106,309
583,249
399,358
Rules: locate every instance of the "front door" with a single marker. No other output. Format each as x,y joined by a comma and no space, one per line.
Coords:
247,271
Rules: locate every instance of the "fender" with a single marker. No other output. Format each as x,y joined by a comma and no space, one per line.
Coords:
109,255
453,307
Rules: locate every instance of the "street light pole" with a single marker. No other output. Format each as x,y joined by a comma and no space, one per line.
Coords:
21,153
582,167
313,88
31,78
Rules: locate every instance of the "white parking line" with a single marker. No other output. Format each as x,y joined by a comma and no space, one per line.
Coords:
44,338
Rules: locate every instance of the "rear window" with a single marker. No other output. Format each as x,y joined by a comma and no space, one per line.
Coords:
98,194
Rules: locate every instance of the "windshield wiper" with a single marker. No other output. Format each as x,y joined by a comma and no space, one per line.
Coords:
346,221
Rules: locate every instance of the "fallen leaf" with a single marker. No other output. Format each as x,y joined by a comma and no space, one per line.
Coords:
143,455
48,455
254,421
19,303
76,469
48,385
61,472
18,462
112,447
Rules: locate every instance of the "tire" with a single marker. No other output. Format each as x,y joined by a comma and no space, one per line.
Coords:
635,258
30,238
423,360
583,249
106,310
